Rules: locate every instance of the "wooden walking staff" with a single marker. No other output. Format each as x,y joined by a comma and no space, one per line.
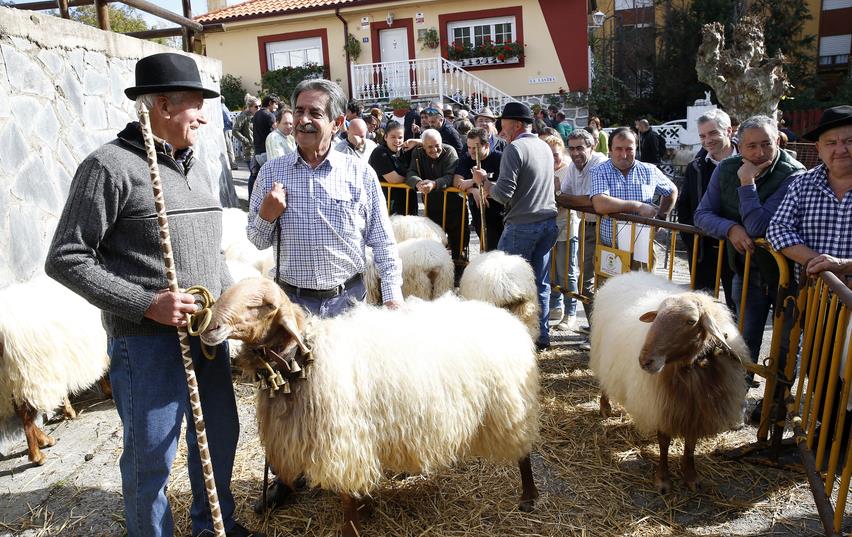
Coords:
482,242
183,334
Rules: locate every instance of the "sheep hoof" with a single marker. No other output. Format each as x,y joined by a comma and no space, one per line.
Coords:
664,485
694,484
69,413
349,530
38,459
527,506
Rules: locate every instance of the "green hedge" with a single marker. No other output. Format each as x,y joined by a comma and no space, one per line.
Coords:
283,81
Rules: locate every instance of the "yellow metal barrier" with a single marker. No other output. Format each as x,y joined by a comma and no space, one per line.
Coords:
818,412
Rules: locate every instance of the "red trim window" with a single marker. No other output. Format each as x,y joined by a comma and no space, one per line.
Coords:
487,39
293,49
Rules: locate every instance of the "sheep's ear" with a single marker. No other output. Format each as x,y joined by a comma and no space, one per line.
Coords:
648,317
715,332
292,320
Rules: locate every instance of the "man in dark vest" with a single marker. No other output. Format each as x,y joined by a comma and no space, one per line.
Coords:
743,194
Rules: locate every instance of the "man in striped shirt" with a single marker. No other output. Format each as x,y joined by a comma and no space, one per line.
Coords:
813,225
625,185
320,208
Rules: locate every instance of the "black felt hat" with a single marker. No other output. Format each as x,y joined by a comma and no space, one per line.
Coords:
517,111
167,71
832,117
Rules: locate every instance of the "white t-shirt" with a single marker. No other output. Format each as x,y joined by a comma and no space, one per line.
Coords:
579,183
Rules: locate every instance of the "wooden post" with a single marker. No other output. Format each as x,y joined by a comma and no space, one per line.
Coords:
102,11
63,9
187,33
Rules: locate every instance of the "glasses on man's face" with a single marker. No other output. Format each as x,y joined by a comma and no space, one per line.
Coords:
433,112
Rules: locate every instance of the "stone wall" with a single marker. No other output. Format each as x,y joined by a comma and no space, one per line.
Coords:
61,96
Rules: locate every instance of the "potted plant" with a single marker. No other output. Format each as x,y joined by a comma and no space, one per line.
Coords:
399,106
460,51
430,38
352,47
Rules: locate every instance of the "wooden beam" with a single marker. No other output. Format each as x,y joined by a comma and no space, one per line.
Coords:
163,13
102,12
172,32
50,4
63,9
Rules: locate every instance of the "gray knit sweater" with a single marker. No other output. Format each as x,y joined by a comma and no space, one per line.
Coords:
525,186
106,246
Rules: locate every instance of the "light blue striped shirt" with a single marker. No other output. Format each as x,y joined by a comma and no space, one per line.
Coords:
333,212
641,183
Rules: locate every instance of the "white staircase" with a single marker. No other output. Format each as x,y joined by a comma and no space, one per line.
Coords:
425,79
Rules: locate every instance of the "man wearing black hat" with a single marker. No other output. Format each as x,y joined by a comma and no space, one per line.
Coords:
813,224
525,188
107,249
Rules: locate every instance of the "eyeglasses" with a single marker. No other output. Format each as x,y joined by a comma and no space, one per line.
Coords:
433,111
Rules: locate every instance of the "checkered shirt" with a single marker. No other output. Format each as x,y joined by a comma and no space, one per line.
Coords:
333,212
642,182
812,215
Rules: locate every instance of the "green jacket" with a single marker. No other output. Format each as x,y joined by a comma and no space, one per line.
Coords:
782,167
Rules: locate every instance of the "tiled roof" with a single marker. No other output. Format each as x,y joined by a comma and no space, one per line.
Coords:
260,8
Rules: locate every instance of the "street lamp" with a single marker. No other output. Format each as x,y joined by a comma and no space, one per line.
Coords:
598,18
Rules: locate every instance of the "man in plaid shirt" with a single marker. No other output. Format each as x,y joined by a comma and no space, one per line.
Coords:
813,225
625,185
321,208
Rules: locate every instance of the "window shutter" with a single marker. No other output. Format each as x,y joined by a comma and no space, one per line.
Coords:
835,45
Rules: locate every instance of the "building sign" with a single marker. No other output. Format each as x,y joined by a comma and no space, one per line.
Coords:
419,18
365,39
365,22
542,79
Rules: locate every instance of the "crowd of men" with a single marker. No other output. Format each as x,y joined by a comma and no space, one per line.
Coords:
316,200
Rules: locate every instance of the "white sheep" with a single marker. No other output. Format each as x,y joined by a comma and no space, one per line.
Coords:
427,271
52,343
672,359
378,394
507,281
416,227
237,247
241,271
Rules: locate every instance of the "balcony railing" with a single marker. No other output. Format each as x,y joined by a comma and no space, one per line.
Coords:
425,79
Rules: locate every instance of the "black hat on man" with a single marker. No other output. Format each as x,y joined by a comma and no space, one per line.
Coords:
167,71
517,111
831,118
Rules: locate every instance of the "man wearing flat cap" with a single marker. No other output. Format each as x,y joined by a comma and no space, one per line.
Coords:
813,224
525,188
107,249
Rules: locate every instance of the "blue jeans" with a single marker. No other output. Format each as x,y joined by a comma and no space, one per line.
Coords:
533,242
150,393
557,299
758,302
331,307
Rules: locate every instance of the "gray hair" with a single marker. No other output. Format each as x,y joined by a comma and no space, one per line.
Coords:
337,101
251,100
759,122
718,116
583,134
149,99
431,134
